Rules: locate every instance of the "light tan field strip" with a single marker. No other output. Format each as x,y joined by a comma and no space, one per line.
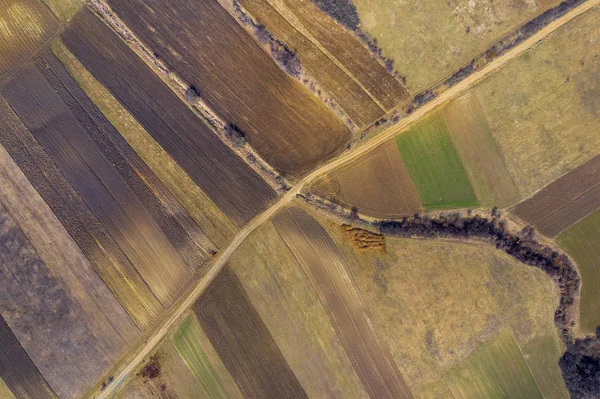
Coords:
176,313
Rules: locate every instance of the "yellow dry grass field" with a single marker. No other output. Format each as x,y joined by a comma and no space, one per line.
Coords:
5,392
289,306
479,153
377,184
25,25
217,226
436,301
346,92
429,40
543,108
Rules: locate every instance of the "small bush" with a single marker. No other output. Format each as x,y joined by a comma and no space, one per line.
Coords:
235,135
192,94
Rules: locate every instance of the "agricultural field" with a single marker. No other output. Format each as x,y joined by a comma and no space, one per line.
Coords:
496,370
463,30
377,184
162,242
323,263
435,166
479,153
93,327
287,125
542,108
435,302
235,188
203,362
182,201
19,375
565,201
286,301
25,25
217,226
56,328
91,236
163,374
344,90
540,354
581,242
243,342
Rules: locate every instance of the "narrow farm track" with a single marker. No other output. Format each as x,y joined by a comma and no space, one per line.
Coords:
135,359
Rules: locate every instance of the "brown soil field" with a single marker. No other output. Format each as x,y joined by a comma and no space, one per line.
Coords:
67,133
18,371
236,189
346,92
376,183
429,40
436,301
282,120
25,25
51,325
289,306
565,201
325,267
91,236
479,153
243,342
217,226
344,46
113,330
542,108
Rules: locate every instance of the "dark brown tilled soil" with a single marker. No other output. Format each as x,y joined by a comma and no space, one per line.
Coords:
18,371
220,173
565,201
243,342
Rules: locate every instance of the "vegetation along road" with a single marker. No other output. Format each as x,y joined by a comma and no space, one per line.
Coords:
132,362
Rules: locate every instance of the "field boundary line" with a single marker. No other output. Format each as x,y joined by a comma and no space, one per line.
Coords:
131,362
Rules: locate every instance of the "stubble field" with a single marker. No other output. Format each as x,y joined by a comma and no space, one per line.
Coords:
25,25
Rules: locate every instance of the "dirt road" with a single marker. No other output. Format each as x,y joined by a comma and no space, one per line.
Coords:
132,362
